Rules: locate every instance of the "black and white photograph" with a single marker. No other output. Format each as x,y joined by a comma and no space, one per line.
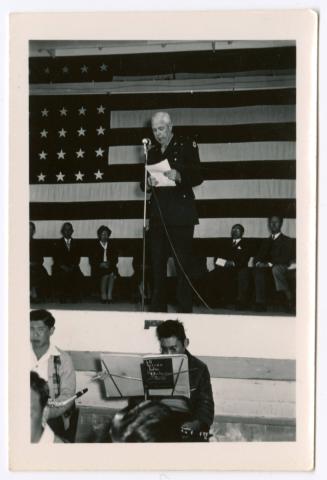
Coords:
168,278
162,176
148,158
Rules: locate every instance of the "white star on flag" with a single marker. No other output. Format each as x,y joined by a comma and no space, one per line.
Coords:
41,177
65,69
84,69
61,155
82,111
60,177
100,130
43,155
79,176
80,153
98,175
81,132
44,133
47,70
63,112
62,133
99,152
103,67
101,109
44,112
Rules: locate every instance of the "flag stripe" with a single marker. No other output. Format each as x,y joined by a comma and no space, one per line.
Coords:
213,133
202,99
193,99
117,192
134,209
132,228
160,63
207,116
213,152
128,247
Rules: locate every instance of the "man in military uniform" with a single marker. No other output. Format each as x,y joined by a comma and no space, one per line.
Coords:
172,211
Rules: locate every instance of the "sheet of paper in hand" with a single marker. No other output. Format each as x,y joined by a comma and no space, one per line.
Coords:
157,171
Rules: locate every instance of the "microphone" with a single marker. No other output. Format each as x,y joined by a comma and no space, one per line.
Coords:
146,142
55,403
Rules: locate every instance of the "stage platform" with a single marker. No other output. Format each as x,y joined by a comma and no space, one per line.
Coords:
136,307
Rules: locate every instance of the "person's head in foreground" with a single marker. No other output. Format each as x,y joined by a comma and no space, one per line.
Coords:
41,328
237,231
162,127
39,399
147,422
172,338
275,224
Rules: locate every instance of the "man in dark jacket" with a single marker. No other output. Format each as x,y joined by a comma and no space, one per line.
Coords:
172,339
229,281
273,259
66,271
172,211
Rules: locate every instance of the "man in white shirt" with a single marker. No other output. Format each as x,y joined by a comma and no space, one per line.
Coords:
56,368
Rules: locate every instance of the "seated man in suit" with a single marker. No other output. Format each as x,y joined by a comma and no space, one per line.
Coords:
67,275
173,340
229,281
272,262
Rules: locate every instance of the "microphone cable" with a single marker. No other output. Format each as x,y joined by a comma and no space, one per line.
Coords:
174,251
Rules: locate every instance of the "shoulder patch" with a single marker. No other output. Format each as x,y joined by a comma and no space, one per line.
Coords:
194,144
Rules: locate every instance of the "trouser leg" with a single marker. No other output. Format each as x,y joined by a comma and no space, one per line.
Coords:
279,273
280,277
158,252
243,284
260,280
182,239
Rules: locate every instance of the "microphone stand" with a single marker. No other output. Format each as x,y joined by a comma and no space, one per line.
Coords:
145,147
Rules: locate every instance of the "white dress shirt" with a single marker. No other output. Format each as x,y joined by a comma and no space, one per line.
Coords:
40,365
104,246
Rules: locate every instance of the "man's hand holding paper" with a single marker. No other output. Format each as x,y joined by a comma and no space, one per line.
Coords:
161,175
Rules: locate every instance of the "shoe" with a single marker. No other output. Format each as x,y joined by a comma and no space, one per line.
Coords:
103,300
108,301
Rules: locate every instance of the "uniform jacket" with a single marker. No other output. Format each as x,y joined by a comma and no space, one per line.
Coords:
63,256
202,406
238,253
177,203
96,258
277,252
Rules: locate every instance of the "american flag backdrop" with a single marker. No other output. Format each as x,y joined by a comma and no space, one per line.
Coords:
89,113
